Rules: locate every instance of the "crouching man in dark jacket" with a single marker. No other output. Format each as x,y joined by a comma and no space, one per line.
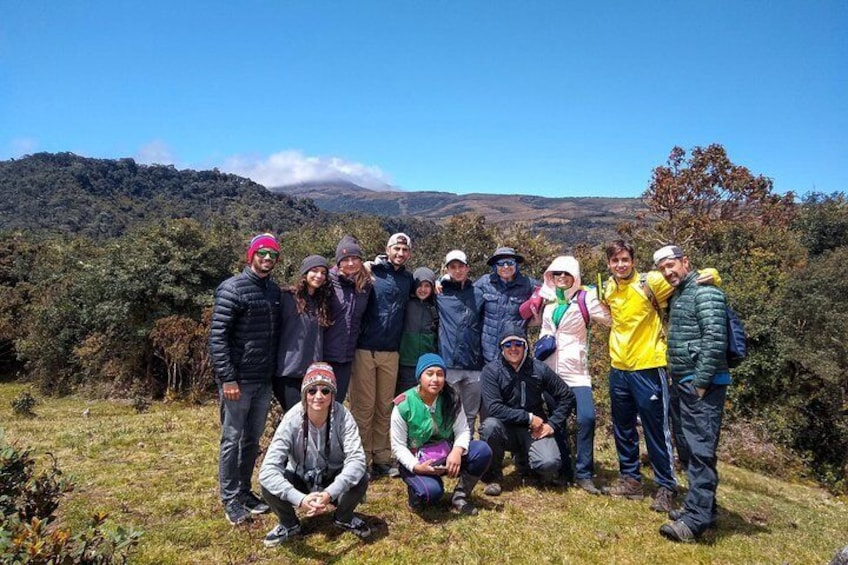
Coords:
243,345
514,386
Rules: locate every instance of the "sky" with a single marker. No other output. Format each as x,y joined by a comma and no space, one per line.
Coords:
549,98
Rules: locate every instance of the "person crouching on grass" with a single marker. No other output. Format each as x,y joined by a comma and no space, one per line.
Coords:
430,438
315,461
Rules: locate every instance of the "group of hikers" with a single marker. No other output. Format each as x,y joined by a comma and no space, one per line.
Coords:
422,360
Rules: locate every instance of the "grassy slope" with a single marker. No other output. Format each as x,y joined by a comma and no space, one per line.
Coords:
157,471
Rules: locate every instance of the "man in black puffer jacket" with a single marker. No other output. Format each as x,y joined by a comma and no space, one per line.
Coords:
243,342
697,363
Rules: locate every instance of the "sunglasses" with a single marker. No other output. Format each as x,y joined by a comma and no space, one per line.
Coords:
560,273
512,343
266,253
314,390
505,263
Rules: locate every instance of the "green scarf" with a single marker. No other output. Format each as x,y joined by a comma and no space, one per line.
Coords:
562,306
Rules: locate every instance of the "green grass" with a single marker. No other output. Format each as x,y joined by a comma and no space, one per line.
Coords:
157,471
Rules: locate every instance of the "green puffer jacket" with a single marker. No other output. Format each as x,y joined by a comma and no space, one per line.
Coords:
697,333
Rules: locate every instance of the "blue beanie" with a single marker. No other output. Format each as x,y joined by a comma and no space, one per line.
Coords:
426,361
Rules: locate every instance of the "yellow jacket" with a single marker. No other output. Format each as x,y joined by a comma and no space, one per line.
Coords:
636,339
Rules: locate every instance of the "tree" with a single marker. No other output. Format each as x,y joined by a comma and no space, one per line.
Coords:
688,197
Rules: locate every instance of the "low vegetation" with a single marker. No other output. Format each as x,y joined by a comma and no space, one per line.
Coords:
156,471
106,290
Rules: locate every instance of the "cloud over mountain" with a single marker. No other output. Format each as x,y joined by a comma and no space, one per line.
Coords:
293,167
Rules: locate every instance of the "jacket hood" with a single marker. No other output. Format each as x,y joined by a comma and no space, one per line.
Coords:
565,263
510,332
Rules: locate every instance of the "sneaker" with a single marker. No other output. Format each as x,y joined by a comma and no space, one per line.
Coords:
677,531
463,506
236,513
492,489
356,526
663,500
280,534
626,487
253,503
588,485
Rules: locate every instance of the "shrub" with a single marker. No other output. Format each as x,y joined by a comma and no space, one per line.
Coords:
23,405
27,505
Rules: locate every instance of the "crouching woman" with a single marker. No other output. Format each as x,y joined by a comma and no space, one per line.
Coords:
315,461
430,439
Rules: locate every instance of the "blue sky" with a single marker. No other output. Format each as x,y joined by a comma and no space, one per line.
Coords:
553,98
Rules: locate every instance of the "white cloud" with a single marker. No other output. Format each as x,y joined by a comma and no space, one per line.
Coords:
156,152
292,167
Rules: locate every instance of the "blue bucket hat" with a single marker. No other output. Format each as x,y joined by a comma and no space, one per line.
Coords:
426,361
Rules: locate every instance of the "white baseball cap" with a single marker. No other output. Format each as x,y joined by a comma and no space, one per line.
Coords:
667,252
456,255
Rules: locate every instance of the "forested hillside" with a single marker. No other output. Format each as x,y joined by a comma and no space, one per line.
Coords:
567,220
103,198
108,268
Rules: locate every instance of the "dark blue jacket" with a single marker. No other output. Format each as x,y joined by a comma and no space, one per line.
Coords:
244,329
346,310
382,325
501,303
301,337
460,325
511,396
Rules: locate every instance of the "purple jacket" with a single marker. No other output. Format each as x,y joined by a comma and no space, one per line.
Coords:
346,309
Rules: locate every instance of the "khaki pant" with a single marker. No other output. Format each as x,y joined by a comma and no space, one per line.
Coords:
372,389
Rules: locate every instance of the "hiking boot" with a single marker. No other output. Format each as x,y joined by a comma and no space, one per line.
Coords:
626,487
384,470
280,534
492,489
253,503
663,500
677,531
678,513
356,526
236,513
463,506
556,482
588,485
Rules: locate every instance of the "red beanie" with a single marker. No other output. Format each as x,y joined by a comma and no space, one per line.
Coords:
262,241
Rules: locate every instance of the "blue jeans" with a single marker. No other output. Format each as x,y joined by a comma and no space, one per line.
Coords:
242,424
643,393
585,463
428,489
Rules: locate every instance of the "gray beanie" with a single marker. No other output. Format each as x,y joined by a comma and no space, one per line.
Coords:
311,262
348,247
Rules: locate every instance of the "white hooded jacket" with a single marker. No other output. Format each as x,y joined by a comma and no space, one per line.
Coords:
570,358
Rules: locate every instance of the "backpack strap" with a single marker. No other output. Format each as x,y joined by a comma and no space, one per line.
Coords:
581,303
649,294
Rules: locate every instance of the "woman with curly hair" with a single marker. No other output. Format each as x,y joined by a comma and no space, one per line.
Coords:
305,309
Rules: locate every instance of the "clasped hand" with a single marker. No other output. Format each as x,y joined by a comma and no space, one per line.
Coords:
316,503
540,429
